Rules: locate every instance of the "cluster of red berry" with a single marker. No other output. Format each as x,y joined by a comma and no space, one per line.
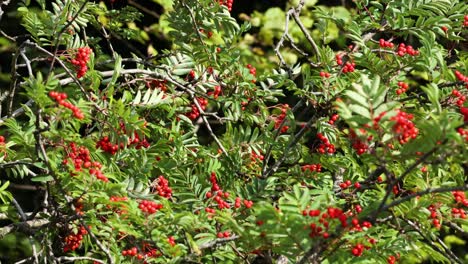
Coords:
219,195
465,21
463,133
325,146
60,99
460,198
2,146
82,159
460,97
149,207
434,216
333,119
80,61
324,74
312,167
216,92
252,71
159,84
194,114
348,66
224,234
118,199
403,88
162,187
360,146
459,212
79,207
247,203
462,78
385,44
171,241
406,49
325,217
346,184
147,252
358,226
107,146
392,259
404,127
279,119
254,156
227,3
73,241
191,76
464,112
358,249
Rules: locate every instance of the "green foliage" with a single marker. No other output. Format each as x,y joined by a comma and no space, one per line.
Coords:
300,135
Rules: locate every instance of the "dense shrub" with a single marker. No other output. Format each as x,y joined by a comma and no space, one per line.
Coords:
301,134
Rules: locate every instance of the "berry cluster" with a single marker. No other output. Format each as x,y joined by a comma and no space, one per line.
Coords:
434,216
324,74
81,159
465,21
459,212
60,99
224,234
357,144
107,146
254,157
2,146
237,203
171,241
80,61
357,226
162,187
460,97
219,195
348,66
194,114
404,127
278,120
346,184
227,3
358,249
79,207
464,112
312,167
462,78
385,44
403,88
216,92
118,199
325,218
191,75
130,252
149,207
325,146
159,84
460,198
73,241
252,71
406,49
392,259
333,119
463,133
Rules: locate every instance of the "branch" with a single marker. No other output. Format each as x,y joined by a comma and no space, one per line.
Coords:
27,225
425,192
448,253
